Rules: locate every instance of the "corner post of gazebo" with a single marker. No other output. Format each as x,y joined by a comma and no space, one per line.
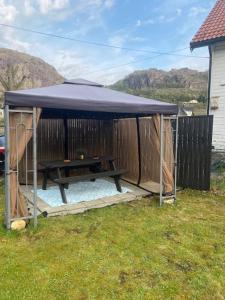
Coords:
7,171
161,158
35,164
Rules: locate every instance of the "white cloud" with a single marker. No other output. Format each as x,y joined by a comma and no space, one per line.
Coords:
159,19
138,23
93,8
84,17
145,22
46,6
191,63
200,63
29,9
71,64
197,10
138,39
9,39
118,41
178,11
109,3
108,78
7,12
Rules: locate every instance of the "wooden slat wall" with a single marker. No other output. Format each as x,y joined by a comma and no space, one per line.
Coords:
119,138
149,161
50,145
194,152
125,147
94,136
50,140
127,150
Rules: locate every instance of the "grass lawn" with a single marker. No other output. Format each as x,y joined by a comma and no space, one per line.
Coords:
128,251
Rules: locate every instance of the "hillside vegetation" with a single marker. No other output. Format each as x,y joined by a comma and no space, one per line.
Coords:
176,85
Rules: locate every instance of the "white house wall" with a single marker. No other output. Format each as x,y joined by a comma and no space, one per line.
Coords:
217,97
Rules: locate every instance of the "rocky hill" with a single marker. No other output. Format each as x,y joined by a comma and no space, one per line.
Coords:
36,71
176,85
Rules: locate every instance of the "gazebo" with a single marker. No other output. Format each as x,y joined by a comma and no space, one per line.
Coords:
76,113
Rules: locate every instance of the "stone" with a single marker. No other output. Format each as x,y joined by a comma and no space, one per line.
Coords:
18,225
169,201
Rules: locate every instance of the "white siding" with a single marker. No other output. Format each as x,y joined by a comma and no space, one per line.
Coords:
218,95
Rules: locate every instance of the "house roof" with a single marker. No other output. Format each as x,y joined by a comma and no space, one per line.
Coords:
213,29
87,97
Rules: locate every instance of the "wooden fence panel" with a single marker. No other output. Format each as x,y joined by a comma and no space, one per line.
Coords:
126,147
194,152
50,146
95,137
119,138
126,152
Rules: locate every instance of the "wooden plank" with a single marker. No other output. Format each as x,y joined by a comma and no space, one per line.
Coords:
202,153
65,180
194,182
66,141
179,153
186,153
209,129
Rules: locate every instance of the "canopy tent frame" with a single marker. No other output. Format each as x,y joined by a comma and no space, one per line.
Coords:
51,112
33,112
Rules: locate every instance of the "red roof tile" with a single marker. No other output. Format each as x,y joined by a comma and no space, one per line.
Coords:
213,29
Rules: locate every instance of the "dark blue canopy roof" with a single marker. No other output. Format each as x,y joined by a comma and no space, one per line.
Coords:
86,96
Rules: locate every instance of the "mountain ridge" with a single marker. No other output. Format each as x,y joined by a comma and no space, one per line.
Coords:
176,85
37,72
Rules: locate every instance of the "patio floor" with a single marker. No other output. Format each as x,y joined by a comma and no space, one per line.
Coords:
83,201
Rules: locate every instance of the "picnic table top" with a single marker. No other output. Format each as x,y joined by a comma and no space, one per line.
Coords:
51,164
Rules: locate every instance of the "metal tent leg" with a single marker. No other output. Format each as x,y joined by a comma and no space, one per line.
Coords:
35,164
8,129
162,142
7,171
161,159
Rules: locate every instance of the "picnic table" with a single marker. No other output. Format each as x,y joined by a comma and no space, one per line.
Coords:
52,170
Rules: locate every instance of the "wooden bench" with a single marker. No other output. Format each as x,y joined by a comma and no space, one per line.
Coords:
65,181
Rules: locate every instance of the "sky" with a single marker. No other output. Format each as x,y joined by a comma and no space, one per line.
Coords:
143,26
